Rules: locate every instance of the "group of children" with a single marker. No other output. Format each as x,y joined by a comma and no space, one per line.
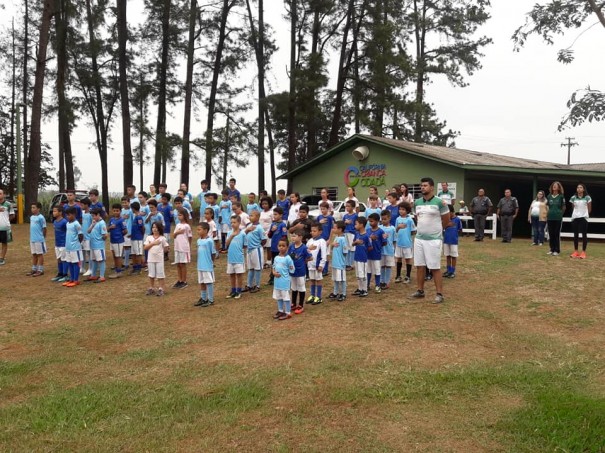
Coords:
260,237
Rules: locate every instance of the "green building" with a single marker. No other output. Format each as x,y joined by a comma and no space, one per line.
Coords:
364,160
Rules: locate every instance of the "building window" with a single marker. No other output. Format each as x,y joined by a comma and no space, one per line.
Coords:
414,189
332,192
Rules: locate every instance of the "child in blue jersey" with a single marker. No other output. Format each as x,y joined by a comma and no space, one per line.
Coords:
179,202
339,262
224,218
300,255
255,238
252,204
37,239
283,202
236,244
186,204
126,214
60,227
349,219
206,254
71,202
326,221
137,236
97,232
277,231
319,251
73,247
450,243
362,244
393,207
201,197
117,231
86,222
377,240
404,228
282,267
387,260
165,208
374,208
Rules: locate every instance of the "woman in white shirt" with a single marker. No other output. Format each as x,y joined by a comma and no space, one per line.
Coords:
295,205
536,216
582,206
351,196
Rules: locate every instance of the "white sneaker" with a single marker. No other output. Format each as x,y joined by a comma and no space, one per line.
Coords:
554,253
87,273
549,253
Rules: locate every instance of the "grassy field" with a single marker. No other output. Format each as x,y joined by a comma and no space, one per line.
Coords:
513,361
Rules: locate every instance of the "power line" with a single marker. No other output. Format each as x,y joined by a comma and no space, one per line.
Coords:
569,145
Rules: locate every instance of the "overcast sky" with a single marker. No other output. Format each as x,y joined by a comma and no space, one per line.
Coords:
512,106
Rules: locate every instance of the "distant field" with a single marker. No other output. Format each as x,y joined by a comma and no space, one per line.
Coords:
513,361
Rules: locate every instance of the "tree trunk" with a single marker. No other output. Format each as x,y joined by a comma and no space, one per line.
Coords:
292,98
420,34
216,71
33,169
356,88
160,144
66,162
226,153
188,95
261,96
122,63
271,154
25,79
12,180
142,136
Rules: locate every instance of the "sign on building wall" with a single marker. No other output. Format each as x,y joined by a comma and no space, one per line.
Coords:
365,175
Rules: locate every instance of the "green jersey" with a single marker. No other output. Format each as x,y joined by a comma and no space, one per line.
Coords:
556,203
429,212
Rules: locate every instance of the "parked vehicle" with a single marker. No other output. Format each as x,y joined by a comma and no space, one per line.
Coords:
61,198
339,210
311,200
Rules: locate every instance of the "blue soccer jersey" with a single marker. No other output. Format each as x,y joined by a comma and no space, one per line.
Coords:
151,219
339,252
255,237
166,211
116,235
126,214
327,223
201,197
99,205
349,220
277,231
72,240
225,212
299,255
235,252
285,205
376,241
388,249
86,222
252,207
373,211
96,235
284,265
361,250
37,224
404,235
60,227
78,209
205,252
394,210
138,228
450,235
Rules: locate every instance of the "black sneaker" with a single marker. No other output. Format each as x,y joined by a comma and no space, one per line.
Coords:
245,289
278,314
332,296
446,275
418,294
177,285
183,285
231,295
199,303
208,303
428,278
357,292
363,294
341,298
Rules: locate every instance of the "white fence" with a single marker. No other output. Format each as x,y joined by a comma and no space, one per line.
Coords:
491,225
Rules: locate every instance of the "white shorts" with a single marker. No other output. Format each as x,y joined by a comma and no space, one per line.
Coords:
374,267
350,238
60,253
127,241
37,248
74,256
205,277
97,255
361,269
117,249
254,259
450,250
182,258
339,275
404,252
136,248
387,261
281,294
314,274
297,284
85,245
427,253
238,268
156,270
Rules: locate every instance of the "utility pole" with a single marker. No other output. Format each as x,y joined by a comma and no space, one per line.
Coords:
569,145
20,204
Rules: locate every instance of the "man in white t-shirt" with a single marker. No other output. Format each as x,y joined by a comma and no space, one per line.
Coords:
6,215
